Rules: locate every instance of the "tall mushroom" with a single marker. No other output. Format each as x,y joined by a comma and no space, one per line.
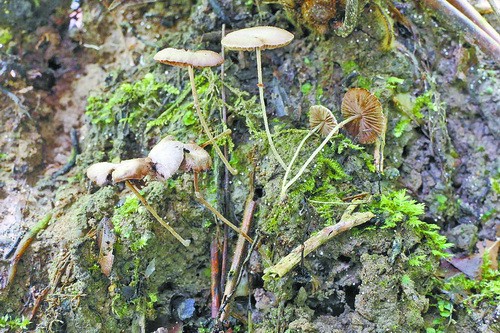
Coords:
364,120
198,59
259,38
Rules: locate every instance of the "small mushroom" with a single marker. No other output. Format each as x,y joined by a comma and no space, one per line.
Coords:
259,38
196,159
370,121
320,119
167,156
198,59
359,107
136,168
323,118
100,173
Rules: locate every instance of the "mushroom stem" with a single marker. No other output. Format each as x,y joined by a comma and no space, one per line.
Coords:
313,155
297,151
155,214
215,211
204,124
260,84
215,138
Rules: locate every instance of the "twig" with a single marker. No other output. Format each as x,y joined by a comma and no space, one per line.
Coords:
468,10
156,216
23,246
347,222
215,277
460,23
239,252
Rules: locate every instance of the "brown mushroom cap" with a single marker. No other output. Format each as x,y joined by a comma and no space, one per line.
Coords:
195,158
264,37
371,123
319,115
167,156
136,168
100,173
184,58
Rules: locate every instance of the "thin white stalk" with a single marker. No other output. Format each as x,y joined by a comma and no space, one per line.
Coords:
204,123
316,152
292,161
260,84
156,216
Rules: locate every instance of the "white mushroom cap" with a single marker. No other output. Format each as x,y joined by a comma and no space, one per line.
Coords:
167,156
184,58
100,173
195,158
264,37
136,168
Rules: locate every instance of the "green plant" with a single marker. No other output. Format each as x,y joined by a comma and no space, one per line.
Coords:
129,103
14,323
397,207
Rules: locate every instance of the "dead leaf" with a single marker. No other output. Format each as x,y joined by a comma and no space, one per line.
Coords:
471,265
106,239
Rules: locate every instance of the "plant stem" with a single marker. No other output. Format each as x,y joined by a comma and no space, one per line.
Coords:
297,151
155,214
215,138
23,246
204,123
347,222
215,278
215,211
313,155
260,84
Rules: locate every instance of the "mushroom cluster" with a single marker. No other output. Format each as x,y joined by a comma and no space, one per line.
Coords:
364,120
164,160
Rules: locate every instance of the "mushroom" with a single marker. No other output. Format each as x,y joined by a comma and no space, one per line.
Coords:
167,156
259,38
198,59
369,123
361,107
136,168
320,119
100,173
125,171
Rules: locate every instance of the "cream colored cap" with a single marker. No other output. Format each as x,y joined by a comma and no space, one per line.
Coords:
167,156
100,173
195,158
184,58
264,37
136,168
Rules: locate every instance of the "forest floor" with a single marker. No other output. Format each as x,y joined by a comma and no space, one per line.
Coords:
93,93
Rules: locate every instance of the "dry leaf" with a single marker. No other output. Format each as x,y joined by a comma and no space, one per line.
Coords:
105,241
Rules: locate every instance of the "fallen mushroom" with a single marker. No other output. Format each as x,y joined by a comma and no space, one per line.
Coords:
361,108
167,156
320,119
126,171
198,59
259,38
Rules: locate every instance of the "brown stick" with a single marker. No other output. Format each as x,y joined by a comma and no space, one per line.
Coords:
239,255
468,10
460,22
346,222
215,278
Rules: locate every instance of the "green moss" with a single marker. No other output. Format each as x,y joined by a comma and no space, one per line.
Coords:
129,103
14,323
